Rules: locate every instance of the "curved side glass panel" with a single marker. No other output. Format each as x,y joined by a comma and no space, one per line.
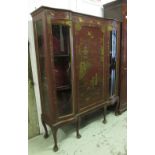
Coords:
41,56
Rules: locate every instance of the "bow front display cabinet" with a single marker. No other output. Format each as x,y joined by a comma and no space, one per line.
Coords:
78,65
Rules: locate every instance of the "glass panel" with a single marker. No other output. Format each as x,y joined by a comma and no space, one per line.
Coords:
60,39
113,51
62,68
41,54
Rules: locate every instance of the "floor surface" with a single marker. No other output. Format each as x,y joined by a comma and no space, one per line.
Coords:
97,138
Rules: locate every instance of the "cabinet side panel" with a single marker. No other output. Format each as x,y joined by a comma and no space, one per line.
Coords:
123,68
41,63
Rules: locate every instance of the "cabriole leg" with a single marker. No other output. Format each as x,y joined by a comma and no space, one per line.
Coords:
117,112
45,128
77,128
104,114
54,132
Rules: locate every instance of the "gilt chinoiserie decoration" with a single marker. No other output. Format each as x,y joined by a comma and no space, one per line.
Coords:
78,65
89,65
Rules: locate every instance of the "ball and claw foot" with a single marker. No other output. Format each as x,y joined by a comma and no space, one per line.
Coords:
46,136
117,113
55,148
78,136
104,121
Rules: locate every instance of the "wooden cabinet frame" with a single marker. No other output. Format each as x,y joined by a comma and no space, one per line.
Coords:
46,57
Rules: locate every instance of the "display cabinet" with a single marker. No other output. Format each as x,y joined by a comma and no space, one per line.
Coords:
78,65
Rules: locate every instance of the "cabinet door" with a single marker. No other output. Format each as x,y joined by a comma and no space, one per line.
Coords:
62,67
89,61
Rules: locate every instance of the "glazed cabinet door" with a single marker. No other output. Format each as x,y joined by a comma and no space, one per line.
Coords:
61,58
89,48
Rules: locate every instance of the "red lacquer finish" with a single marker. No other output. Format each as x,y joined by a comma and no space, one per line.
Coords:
73,59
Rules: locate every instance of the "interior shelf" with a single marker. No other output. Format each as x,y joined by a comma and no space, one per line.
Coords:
65,87
61,55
